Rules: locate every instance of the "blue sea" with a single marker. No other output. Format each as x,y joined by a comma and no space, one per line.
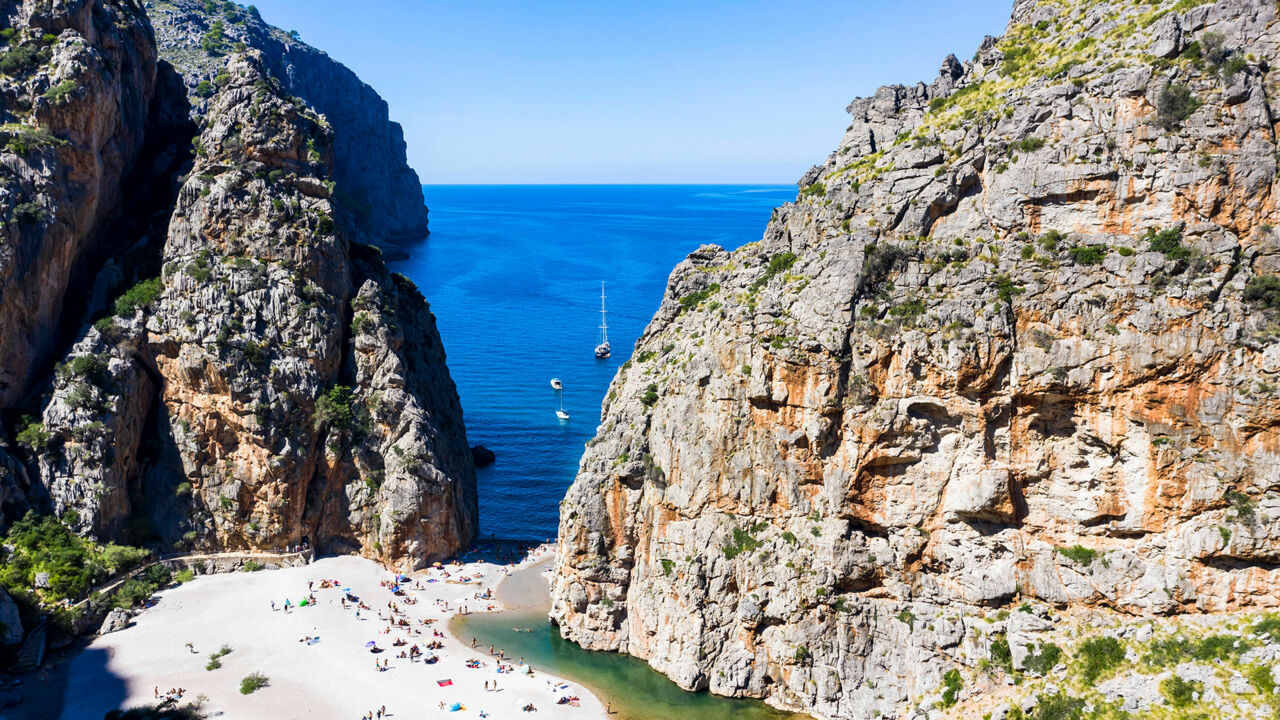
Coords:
513,276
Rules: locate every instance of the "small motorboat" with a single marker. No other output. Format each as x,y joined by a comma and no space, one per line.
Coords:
562,414
555,383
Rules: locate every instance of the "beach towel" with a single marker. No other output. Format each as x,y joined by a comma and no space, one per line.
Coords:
444,683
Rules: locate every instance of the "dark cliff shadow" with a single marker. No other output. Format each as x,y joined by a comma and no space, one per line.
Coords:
51,692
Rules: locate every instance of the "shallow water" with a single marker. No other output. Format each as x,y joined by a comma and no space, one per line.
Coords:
513,275
635,691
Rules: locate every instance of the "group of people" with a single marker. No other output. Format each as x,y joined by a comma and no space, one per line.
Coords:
174,694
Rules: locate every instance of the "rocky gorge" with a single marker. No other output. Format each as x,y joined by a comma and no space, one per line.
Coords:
204,349
1003,373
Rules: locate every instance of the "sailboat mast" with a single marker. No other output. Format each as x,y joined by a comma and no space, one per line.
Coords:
604,319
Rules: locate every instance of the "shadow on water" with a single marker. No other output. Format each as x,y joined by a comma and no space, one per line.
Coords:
48,693
635,690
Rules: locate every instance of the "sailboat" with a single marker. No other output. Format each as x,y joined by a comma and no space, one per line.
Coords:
560,411
603,350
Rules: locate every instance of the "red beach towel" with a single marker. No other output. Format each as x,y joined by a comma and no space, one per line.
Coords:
444,683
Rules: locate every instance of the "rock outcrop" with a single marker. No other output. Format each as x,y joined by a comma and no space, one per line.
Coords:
380,192
75,86
1015,339
253,377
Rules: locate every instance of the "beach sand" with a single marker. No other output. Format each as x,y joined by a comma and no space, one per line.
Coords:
334,678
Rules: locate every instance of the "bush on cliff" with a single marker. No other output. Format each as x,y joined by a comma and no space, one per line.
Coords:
1176,103
1263,291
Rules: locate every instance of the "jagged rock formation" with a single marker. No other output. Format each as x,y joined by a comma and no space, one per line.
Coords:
74,91
1014,339
255,378
381,193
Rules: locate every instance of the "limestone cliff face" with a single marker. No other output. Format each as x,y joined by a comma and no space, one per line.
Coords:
74,93
380,192
1015,339
253,377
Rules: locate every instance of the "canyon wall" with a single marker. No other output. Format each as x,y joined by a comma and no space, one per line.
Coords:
201,352
1014,342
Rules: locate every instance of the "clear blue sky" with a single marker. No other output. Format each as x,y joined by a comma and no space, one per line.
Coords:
542,91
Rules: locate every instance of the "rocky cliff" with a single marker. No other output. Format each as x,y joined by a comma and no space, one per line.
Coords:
253,376
380,192
1014,342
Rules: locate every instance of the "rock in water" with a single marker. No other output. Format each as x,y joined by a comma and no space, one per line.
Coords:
483,456
1013,340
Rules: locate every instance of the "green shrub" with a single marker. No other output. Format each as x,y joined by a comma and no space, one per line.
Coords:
817,189
1005,289
37,544
1175,104
650,395
138,297
951,686
204,90
62,92
1233,66
1049,241
251,566
802,653
33,436
252,683
1001,655
120,558
213,40
1097,656
334,408
691,300
1058,706
254,353
215,660
1178,692
1042,661
667,567
1088,254
1168,242
779,263
185,575
743,541
1213,47
1029,144
1261,678
28,139
22,60
1263,291
1079,554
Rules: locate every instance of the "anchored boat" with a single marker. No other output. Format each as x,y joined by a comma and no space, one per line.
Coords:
560,411
603,350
